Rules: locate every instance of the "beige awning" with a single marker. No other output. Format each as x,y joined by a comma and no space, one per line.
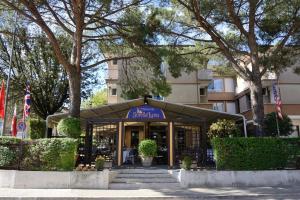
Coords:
171,110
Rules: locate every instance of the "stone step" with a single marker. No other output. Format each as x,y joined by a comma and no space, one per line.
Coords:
142,170
143,180
130,186
140,175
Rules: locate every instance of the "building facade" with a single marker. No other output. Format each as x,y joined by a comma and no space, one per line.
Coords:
225,93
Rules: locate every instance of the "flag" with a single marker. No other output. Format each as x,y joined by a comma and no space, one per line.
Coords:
2,100
277,99
14,123
27,102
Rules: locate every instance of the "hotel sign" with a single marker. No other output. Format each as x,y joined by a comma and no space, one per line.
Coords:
145,112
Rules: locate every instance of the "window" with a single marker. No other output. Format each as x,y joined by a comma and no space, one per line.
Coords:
248,101
219,106
265,91
202,92
216,85
113,91
134,138
231,107
115,61
158,97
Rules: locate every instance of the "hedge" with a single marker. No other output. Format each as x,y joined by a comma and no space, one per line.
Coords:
69,127
255,153
37,128
42,154
9,152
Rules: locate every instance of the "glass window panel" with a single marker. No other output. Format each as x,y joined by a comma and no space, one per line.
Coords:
219,106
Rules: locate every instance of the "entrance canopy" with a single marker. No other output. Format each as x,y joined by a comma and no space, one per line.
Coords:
172,112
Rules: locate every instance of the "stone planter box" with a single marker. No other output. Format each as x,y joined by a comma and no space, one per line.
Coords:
54,179
107,165
214,178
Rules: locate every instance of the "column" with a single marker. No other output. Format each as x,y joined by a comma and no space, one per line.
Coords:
171,144
120,144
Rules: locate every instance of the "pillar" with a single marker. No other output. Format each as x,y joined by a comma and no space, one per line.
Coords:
171,145
120,144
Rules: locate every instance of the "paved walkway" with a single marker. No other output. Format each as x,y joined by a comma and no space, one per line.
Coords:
292,192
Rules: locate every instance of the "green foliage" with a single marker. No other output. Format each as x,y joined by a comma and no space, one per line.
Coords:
7,140
99,163
250,153
223,128
270,126
97,99
9,151
69,127
293,147
37,128
50,154
6,156
148,148
187,162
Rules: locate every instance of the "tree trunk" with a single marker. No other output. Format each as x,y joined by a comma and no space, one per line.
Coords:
257,105
75,95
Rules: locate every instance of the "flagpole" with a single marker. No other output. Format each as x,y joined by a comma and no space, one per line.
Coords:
278,131
9,72
279,95
276,113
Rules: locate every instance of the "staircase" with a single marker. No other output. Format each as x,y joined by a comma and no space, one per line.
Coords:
143,179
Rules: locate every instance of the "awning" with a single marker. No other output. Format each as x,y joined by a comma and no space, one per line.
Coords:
172,110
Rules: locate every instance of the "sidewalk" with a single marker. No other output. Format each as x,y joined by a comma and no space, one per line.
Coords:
292,192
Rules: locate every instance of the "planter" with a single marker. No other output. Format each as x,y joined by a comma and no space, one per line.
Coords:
213,178
146,161
107,164
54,179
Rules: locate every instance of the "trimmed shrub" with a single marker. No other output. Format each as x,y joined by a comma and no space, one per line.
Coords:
293,147
9,151
187,163
6,156
250,153
270,127
99,163
223,128
50,154
6,140
148,148
37,128
69,127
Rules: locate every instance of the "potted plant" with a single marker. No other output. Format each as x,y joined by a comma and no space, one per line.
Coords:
107,162
187,163
99,163
147,150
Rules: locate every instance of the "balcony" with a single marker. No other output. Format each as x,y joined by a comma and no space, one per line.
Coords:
288,109
205,74
203,105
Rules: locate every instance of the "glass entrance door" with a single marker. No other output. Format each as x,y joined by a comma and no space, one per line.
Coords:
159,134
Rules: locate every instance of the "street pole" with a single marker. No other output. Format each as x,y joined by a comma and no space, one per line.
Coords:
9,72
